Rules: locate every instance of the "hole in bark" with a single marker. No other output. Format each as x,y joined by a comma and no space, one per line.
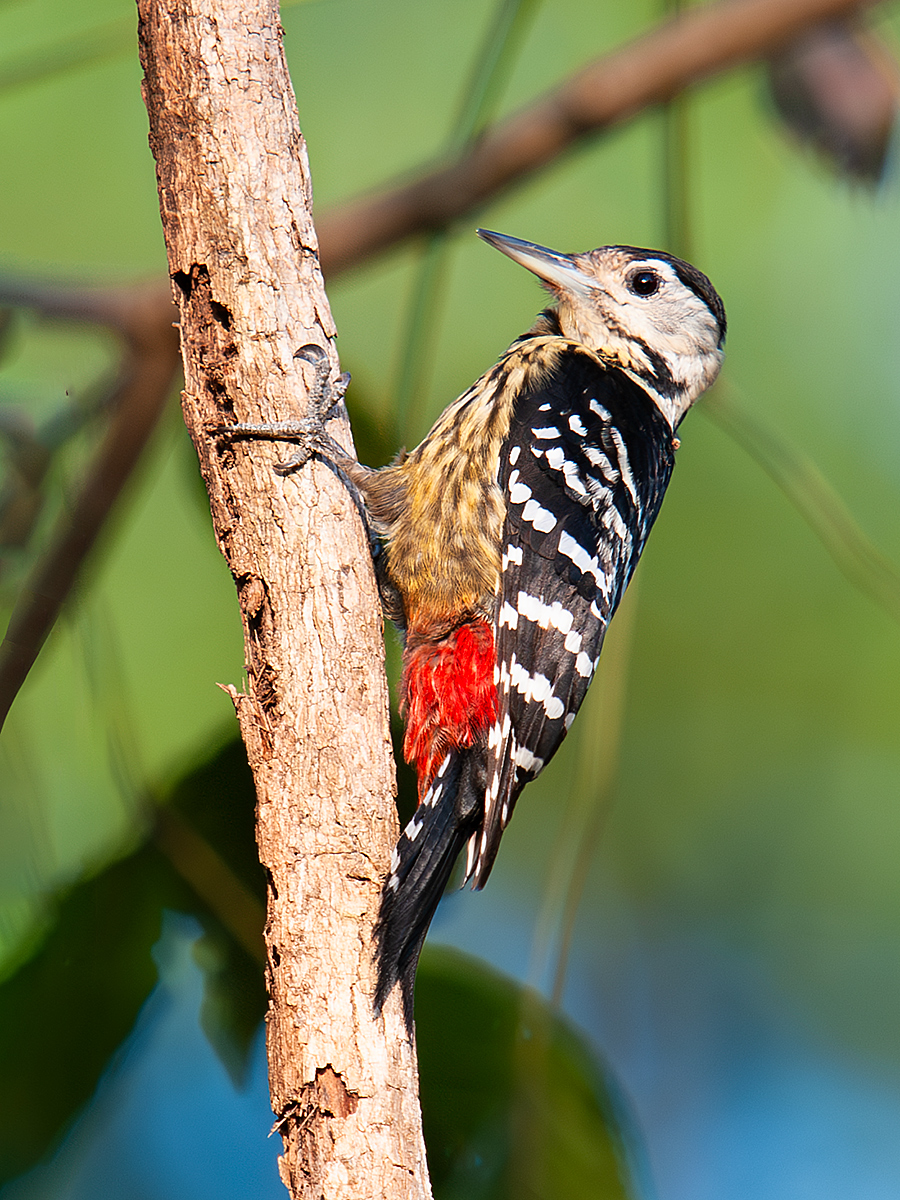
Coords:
265,689
221,313
270,883
184,281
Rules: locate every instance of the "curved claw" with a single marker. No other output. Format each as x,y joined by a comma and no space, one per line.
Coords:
325,393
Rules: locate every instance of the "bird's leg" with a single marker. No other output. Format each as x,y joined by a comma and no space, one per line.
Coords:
309,432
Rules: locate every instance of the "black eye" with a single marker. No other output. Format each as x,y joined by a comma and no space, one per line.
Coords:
644,283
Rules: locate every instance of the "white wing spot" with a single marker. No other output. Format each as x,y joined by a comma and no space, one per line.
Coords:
514,554
612,519
545,615
573,642
527,761
536,688
625,465
584,665
471,851
541,518
508,616
514,455
600,495
414,828
577,425
519,493
585,563
573,478
598,459
599,410
395,860
546,433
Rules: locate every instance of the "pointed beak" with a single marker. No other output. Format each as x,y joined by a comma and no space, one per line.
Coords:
559,270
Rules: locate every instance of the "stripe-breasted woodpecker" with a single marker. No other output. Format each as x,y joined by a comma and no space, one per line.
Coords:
508,538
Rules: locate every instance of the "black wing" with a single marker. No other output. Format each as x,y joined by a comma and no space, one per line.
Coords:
584,470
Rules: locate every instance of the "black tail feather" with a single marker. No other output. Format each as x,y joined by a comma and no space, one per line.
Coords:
423,861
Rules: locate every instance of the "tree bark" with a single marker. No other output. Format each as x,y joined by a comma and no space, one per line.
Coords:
235,199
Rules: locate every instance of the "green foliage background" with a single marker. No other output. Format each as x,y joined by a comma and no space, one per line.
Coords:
755,799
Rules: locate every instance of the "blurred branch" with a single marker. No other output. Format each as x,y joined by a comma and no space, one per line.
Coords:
143,316
858,559
614,88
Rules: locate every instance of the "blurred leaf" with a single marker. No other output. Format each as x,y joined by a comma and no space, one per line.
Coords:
68,1009
514,1102
836,88
861,562
218,803
218,799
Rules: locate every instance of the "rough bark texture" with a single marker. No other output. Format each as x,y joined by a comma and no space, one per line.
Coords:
235,200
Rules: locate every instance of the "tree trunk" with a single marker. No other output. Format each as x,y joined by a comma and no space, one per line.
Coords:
235,198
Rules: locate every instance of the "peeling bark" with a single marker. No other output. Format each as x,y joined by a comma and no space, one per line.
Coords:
235,200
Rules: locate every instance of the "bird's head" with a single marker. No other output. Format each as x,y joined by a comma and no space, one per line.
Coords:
658,318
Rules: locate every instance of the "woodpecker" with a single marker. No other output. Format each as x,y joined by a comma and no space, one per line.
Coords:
508,537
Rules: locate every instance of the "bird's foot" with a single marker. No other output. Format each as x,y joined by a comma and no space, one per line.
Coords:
308,432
